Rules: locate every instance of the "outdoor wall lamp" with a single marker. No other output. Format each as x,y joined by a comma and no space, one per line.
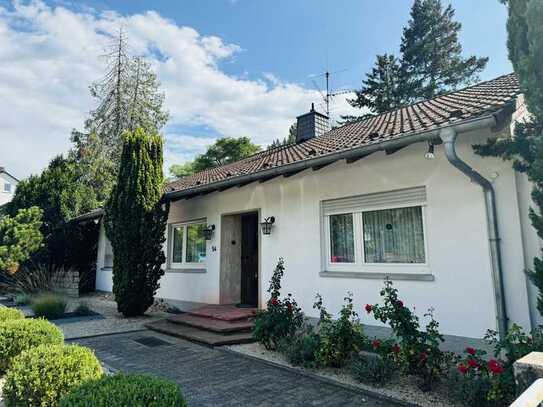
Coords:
267,225
430,153
208,232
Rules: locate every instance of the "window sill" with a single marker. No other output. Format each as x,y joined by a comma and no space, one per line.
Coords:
378,276
189,270
106,269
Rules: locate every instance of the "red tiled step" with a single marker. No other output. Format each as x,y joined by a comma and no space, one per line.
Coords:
212,324
199,335
223,312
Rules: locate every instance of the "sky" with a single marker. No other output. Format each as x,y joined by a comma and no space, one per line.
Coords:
227,67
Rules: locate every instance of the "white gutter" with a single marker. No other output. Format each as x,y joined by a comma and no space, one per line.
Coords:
448,136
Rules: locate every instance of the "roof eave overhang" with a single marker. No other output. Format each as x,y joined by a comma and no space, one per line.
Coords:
495,119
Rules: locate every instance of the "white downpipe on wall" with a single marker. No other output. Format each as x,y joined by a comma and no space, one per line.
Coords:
448,136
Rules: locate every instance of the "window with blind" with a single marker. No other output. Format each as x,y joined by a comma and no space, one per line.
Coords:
188,245
385,228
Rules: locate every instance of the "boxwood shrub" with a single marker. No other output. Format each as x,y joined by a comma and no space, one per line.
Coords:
41,376
135,390
22,334
8,314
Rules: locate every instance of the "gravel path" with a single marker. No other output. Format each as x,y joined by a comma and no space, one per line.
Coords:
215,377
113,322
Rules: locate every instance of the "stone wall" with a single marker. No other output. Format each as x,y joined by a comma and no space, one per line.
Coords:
68,283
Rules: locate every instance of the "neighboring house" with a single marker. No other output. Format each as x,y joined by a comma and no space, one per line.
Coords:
387,196
8,183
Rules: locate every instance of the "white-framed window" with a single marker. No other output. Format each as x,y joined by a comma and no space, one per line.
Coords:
188,246
7,187
376,231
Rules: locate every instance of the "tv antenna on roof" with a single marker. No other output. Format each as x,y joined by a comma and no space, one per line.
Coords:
327,97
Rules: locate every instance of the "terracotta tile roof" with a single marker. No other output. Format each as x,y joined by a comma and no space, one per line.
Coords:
466,104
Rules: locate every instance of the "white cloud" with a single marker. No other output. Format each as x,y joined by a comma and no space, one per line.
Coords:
50,55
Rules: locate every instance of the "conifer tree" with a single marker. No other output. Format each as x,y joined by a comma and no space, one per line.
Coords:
432,61
128,97
525,149
136,221
382,89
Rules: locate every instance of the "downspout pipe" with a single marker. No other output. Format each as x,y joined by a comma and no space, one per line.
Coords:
448,136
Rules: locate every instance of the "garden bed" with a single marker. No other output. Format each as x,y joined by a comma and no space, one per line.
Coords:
402,388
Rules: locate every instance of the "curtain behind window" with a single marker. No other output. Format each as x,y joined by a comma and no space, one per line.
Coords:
341,238
394,236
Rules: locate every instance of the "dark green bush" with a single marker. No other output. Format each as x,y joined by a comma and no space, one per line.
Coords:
41,376
22,334
281,319
83,310
340,338
373,370
301,349
134,390
9,314
469,390
48,306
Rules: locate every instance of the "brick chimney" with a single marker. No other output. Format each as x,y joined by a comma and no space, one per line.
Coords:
312,124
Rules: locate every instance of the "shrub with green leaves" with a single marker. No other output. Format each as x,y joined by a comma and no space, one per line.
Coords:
282,318
120,390
48,306
340,338
374,370
420,350
8,314
41,376
19,335
301,348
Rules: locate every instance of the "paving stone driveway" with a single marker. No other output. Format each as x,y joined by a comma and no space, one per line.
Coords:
213,377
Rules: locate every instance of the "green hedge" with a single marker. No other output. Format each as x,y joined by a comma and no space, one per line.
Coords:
22,334
134,390
8,314
43,375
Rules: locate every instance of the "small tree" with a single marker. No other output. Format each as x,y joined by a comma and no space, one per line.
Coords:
135,223
20,236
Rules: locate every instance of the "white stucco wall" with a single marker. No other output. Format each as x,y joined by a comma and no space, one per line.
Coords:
456,232
5,197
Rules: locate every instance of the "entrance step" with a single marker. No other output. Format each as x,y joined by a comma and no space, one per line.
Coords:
211,324
224,312
194,334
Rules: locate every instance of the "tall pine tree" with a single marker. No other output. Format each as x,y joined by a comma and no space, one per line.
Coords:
382,89
525,149
135,222
432,61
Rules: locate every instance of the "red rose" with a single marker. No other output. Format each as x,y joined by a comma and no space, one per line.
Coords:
423,356
376,344
495,367
274,301
369,308
462,368
289,307
396,348
470,350
472,363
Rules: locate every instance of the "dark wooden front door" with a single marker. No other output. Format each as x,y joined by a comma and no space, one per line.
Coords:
249,259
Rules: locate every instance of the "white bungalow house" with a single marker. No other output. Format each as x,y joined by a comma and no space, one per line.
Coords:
8,183
401,195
